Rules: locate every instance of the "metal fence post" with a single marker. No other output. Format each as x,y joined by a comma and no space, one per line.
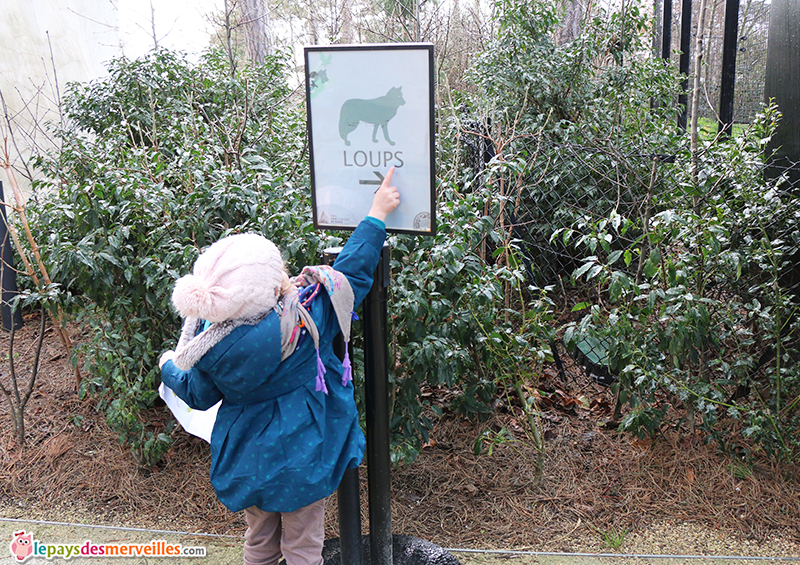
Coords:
782,84
728,79
686,36
666,33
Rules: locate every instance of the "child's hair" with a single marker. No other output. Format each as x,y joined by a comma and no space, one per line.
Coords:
286,284
234,278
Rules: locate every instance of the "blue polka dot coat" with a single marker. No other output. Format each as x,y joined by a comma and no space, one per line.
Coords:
279,444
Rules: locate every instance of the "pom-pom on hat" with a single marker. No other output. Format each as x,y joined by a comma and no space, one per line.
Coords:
234,278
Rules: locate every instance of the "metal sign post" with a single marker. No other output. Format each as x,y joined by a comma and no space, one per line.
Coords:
376,399
376,393
348,494
370,108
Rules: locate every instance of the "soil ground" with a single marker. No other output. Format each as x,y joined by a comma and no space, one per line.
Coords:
601,491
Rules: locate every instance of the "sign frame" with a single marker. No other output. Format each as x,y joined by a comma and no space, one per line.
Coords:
427,218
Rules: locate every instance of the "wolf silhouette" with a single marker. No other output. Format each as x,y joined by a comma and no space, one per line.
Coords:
377,111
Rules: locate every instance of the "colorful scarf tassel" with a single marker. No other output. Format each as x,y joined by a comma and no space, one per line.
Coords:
320,374
347,374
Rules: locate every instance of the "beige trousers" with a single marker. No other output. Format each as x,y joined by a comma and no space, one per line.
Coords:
297,536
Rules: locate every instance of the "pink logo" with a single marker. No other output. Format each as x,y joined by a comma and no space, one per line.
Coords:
21,545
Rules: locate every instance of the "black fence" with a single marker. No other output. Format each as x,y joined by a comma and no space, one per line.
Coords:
587,216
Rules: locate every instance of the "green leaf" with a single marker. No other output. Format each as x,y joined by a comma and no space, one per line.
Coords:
582,269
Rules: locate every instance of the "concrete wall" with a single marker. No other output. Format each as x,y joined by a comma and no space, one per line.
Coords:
83,35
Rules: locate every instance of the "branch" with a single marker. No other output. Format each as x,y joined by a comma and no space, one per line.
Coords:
20,210
36,355
12,369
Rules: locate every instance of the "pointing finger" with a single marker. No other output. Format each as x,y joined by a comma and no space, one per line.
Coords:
387,180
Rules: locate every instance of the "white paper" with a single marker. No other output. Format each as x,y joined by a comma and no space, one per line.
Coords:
197,422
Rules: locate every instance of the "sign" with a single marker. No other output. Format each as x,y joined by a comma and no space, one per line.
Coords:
370,107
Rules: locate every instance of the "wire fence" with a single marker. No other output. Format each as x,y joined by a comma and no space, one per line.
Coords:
731,245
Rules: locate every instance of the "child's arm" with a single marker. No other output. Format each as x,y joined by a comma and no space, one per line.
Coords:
194,387
359,257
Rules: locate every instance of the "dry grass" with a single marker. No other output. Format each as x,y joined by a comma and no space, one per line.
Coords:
594,480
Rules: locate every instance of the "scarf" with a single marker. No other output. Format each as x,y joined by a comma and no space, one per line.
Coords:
294,317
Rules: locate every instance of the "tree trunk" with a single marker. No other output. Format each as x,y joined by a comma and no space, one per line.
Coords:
571,23
698,61
255,21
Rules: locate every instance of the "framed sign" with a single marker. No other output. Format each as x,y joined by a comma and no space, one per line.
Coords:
370,108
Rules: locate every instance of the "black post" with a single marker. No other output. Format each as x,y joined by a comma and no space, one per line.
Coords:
666,30
728,79
686,36
376,390
348,494
8,276
782,86
349,499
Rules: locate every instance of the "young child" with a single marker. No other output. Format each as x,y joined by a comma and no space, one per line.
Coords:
287,427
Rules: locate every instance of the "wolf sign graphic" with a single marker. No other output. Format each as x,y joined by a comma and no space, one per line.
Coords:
352,91
377,112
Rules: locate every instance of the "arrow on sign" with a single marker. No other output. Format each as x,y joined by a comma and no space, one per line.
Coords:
373,182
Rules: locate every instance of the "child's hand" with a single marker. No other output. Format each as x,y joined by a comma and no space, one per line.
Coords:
386,198
166,356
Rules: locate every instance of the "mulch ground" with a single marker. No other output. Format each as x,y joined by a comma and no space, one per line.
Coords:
594,480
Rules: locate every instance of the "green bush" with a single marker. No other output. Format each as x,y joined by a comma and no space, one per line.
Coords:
160,159
685,281
164,157
451,326
704,330
559,154
578,120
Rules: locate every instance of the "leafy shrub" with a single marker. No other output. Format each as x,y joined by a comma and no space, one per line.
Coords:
582,120
704,330
466,313
685,278
163,158
562,155
451,328
159,160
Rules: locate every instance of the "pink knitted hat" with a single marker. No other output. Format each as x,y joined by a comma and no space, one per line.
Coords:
234,278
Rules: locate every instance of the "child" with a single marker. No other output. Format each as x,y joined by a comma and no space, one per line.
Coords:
287,427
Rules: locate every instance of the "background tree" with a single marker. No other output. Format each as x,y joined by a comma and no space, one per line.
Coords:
243,32
256,30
